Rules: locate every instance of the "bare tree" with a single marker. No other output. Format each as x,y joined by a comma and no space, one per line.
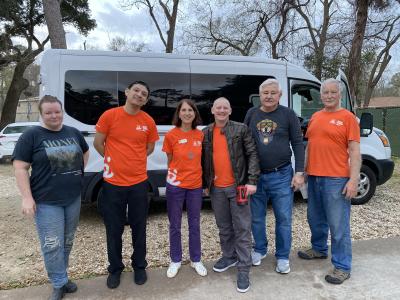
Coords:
319,34
392,35
170,14
52,14
119,43
361,8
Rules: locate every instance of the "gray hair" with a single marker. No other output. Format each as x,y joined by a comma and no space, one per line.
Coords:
330,81
270,81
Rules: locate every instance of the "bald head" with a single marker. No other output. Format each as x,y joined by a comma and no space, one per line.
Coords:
223,101
221,110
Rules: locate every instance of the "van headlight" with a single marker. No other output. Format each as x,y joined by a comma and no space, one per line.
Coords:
383,137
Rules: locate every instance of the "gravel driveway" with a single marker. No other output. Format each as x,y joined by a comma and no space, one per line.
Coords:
21,263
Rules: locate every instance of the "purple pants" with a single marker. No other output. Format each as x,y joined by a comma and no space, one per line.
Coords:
176,196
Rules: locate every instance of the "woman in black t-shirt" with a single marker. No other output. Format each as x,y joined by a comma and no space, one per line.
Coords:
57,154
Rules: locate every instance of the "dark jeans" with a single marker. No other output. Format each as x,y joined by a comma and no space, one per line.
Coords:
176,196
116,199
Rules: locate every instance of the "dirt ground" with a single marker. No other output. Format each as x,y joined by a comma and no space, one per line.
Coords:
21,263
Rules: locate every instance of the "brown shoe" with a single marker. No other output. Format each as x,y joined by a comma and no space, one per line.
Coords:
337,276
311,254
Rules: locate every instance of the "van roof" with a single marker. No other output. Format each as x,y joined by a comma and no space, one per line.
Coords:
52,52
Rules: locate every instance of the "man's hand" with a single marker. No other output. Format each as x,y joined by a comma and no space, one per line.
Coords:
297,181
206,192
28,207
350,189
250,189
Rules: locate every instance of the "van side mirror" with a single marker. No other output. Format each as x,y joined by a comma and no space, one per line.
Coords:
366,124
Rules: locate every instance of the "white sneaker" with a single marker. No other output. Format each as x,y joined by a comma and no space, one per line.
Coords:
282,266
173,269
199,267
257,257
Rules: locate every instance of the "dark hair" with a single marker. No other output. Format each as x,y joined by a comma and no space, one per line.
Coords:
178,122
141,83
48,99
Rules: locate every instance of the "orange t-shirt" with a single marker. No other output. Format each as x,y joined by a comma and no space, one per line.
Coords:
328,136
185,167
127,136
222,163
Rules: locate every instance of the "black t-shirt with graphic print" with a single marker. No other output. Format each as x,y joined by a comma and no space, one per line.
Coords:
274,132
56,158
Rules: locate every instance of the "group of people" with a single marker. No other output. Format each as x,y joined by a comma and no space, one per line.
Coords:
224,160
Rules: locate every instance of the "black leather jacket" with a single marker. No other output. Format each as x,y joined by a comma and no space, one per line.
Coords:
242,151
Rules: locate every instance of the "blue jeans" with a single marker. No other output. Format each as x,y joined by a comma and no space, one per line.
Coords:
276,187
328,210
56,226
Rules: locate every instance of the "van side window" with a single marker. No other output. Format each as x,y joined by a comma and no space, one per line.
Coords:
89,93
237,88
305,98
166,90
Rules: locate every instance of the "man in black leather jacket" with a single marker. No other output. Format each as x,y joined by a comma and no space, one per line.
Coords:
230,160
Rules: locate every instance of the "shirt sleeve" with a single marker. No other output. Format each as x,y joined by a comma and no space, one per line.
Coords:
167,147
153,134
353,130
103,124
23,150
82,142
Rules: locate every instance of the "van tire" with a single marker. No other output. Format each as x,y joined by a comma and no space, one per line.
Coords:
366,186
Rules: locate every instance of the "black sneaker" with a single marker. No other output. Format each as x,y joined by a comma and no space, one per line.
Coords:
224,264
243,282
113,280
140,276
57,294
70,287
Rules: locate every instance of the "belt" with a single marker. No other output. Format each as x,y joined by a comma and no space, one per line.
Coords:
276,169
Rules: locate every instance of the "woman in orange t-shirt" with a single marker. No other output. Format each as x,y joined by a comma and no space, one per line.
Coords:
182,144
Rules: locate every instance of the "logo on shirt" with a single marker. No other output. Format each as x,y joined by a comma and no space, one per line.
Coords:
171,177
107,173
196,143
266,130
143,128
336,122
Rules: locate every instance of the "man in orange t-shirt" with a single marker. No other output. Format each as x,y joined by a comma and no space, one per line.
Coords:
333,168
230,160
125,136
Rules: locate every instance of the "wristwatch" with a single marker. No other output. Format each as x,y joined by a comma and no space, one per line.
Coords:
299,173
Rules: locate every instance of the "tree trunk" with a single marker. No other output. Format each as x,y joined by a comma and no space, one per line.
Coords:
354,70
18,84
172,24
52,14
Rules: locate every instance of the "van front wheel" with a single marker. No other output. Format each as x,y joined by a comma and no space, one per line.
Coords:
366,186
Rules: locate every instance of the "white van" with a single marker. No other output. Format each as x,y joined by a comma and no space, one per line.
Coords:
90,82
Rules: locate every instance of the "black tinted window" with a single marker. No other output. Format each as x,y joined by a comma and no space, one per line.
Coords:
89,93
166,90
236,88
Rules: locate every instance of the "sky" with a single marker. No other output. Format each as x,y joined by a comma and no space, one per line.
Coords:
112,20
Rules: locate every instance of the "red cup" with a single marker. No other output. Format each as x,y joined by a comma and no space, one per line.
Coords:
241,195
